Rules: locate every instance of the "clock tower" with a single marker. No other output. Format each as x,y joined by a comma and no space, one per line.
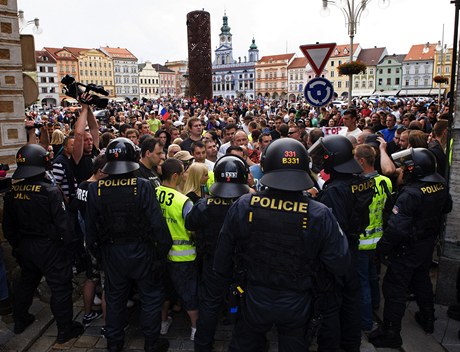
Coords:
224,52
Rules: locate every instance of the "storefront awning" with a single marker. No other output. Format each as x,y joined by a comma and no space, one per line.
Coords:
414,92
387,93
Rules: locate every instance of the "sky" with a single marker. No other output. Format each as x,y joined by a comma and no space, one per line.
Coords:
156,30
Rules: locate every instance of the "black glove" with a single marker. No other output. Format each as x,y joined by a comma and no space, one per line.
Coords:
384,249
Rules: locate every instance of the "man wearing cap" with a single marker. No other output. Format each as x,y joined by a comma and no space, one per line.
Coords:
126,229
206,218
276,237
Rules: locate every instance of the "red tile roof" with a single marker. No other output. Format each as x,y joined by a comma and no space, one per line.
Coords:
75,51
339,50
44,56
416,53
119,53
372,56
54,51
276,57
298,62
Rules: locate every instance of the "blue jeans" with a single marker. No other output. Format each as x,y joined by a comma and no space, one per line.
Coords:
3,282
370,294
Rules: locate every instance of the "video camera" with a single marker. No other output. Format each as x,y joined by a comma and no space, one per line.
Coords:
402,158
73,90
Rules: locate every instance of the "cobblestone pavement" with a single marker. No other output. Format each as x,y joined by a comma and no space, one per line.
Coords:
41,335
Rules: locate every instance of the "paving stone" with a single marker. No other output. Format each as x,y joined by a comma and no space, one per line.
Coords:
86,341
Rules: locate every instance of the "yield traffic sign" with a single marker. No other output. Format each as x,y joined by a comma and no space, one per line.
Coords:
317,55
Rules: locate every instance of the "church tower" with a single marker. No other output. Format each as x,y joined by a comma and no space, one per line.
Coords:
224,53
253,52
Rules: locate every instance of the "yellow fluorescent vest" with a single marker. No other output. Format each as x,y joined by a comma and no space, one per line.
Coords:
172,203
374,231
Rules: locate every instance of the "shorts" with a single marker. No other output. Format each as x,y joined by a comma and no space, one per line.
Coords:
184,277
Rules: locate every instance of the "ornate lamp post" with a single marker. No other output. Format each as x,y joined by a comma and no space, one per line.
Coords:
352,11
441,48
23,23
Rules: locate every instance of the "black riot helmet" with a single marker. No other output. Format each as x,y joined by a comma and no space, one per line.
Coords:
422,166
121,157
32,160
285,165
231,177
334,153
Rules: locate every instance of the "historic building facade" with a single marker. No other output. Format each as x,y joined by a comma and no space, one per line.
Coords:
149,81
47,79
125,72
271,76
233,78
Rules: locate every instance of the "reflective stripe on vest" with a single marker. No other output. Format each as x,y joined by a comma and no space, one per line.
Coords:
172,204
374,231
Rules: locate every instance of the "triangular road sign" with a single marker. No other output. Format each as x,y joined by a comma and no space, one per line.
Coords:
317,55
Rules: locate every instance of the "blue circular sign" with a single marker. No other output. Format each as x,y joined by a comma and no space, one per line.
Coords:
318,91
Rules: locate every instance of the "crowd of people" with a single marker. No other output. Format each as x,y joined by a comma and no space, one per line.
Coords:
147,187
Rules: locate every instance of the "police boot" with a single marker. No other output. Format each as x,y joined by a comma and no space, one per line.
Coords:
114,346
161,345
386,335
453,311
75,329
20,324
425,318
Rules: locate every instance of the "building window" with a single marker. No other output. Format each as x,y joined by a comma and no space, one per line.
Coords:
389,70
397,70
416,82
44,90
332,63
332,73
388,81
380,81
397,81
407,82
425,82
371,84
380,71
371,71
339,84
356,84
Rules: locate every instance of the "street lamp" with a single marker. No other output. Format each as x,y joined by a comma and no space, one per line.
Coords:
23,23
441,48
352,11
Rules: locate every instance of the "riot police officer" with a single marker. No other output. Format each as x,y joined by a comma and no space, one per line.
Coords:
408,241
124,221
349,198
36,224
277,236
206,219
